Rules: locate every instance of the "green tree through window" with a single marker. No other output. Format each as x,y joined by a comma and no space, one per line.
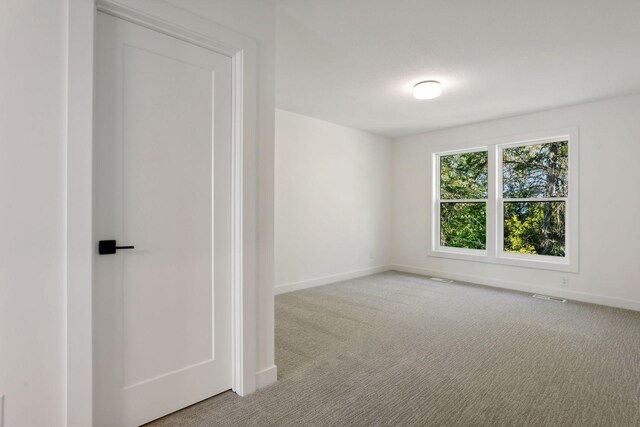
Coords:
463,225
464,176
535,183
463,194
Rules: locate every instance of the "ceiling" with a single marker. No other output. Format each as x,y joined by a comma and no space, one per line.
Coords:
354,62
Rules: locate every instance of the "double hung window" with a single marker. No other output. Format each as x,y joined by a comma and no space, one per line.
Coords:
508,202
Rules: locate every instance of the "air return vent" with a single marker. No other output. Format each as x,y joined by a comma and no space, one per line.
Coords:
440,279
548,298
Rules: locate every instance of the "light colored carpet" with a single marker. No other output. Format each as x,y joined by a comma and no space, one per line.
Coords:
396,349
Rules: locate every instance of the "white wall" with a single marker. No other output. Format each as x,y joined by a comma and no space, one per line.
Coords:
32,211
609,134
333,201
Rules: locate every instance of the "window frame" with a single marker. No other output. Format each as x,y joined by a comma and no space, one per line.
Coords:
439,201
495,252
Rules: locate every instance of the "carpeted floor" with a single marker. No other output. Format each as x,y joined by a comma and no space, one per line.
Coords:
396,349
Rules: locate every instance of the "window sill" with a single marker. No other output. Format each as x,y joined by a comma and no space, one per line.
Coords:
545,263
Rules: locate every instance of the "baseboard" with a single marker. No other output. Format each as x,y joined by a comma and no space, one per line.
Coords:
525,287
267,376
290,287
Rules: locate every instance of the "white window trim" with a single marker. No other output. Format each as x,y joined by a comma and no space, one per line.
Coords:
494,253
437,201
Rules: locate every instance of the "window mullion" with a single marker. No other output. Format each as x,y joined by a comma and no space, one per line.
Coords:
536,199
492,195
461,200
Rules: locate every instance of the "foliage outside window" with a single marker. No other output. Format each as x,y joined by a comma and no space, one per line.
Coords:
463,194
509,201
535,187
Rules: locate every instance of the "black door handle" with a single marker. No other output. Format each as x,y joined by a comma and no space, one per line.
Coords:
107,247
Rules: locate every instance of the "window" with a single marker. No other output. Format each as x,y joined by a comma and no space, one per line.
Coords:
508,202
463,200
535,189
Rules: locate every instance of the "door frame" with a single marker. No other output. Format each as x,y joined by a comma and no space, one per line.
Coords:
80,246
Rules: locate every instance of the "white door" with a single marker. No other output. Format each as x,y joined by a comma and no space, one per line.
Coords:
163,185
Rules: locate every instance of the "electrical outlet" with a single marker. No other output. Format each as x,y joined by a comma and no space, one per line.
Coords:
565,282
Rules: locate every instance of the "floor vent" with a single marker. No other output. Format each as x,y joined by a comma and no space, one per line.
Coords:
440,279
548,298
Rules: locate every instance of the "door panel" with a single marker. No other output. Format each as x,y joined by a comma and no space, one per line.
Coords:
167,180
162,178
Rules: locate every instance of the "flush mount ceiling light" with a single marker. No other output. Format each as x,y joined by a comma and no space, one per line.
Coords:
427,90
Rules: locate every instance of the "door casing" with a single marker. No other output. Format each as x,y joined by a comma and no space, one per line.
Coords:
80,244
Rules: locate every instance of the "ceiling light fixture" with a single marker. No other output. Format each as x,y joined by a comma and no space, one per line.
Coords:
427,90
